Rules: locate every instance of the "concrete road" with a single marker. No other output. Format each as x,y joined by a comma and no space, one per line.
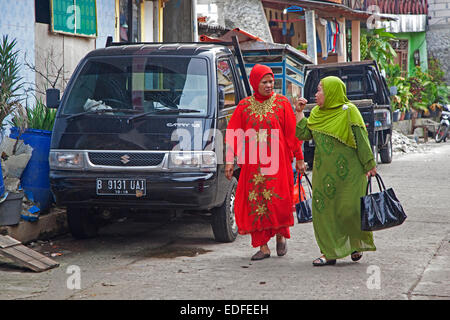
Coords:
180,260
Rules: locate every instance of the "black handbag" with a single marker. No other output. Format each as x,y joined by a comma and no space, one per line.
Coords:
380,210
303,208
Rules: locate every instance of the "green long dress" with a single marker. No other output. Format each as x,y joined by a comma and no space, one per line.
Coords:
338,182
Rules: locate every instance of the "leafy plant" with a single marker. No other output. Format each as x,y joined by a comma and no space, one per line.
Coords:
39,117
302,46
10,81
437,74
379,47
427,90
400,101
363,46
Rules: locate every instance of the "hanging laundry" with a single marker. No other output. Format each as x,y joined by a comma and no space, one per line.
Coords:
291,30
321,29
337,42
330,36
284,32
319,43
340,48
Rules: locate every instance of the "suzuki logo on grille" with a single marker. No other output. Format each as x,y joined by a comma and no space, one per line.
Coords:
125,159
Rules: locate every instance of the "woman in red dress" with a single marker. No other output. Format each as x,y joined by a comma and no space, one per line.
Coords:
261,136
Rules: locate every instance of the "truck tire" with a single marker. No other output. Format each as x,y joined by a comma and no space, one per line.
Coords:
375,153
81,222
223,220
386,151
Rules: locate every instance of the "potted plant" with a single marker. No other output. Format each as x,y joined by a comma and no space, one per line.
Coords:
400,101
303,47
10,89
34,126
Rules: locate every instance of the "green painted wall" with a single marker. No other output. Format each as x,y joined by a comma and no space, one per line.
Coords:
416,41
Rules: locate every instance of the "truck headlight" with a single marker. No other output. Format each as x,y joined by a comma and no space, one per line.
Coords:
66,160
202,160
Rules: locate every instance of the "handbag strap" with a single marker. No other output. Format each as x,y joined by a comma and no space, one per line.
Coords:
300,175
380,182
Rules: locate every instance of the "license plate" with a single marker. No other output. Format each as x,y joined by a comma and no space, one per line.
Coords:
127,187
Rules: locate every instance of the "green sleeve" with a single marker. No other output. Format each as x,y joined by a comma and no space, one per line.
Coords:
364,149
301,131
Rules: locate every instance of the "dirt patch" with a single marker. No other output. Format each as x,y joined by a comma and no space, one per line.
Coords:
170,252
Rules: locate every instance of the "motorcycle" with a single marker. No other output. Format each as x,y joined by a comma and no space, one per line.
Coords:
442,132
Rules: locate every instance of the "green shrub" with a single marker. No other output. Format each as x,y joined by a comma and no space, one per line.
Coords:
39,117
10,81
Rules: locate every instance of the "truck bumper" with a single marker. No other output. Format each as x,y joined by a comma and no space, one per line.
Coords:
163,190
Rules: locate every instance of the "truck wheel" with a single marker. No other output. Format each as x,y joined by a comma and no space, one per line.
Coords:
223,221
375,153
81,222
386,152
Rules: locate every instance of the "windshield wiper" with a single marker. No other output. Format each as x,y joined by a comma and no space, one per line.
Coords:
100,111
161,111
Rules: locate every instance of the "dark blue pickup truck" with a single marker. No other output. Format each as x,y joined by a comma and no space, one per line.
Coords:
367,89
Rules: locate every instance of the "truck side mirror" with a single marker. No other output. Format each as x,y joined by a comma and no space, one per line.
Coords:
393,90
52,98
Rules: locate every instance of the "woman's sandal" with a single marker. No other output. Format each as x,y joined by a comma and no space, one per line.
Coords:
260,255
356,256
281,248
323,262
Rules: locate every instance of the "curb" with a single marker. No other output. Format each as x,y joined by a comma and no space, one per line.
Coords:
47,226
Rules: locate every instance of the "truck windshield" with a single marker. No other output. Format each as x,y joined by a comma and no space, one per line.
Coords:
140,84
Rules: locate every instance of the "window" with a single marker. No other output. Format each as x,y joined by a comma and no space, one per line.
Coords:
227,90
77,17
141,84
42,9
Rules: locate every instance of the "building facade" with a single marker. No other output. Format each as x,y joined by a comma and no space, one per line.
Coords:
54,35
438,33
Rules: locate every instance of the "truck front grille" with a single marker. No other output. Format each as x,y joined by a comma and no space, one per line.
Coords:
126,159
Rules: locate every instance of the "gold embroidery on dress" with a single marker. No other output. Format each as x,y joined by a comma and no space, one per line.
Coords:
252,196
260,196
267,194
261,109
261,210
261,136
258,178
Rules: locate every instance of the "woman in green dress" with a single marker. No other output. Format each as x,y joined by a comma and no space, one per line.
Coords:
342,161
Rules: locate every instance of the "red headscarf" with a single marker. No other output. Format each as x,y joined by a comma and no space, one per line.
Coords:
257,73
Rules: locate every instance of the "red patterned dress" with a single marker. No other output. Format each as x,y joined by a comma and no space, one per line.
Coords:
261,135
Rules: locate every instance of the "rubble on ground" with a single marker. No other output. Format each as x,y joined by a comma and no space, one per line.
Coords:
405,144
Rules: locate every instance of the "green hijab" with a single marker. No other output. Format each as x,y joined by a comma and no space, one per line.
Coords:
337,115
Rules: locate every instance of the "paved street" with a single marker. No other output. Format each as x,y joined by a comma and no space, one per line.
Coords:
158,259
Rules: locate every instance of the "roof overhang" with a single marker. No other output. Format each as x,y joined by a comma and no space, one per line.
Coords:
325,9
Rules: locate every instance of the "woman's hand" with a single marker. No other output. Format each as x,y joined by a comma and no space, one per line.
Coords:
229,170
300,104
372,172
300,166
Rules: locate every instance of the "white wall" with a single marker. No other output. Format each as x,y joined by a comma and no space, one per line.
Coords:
17,21
106,16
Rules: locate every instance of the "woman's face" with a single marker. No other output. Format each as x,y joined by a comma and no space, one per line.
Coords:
320,95
265,87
